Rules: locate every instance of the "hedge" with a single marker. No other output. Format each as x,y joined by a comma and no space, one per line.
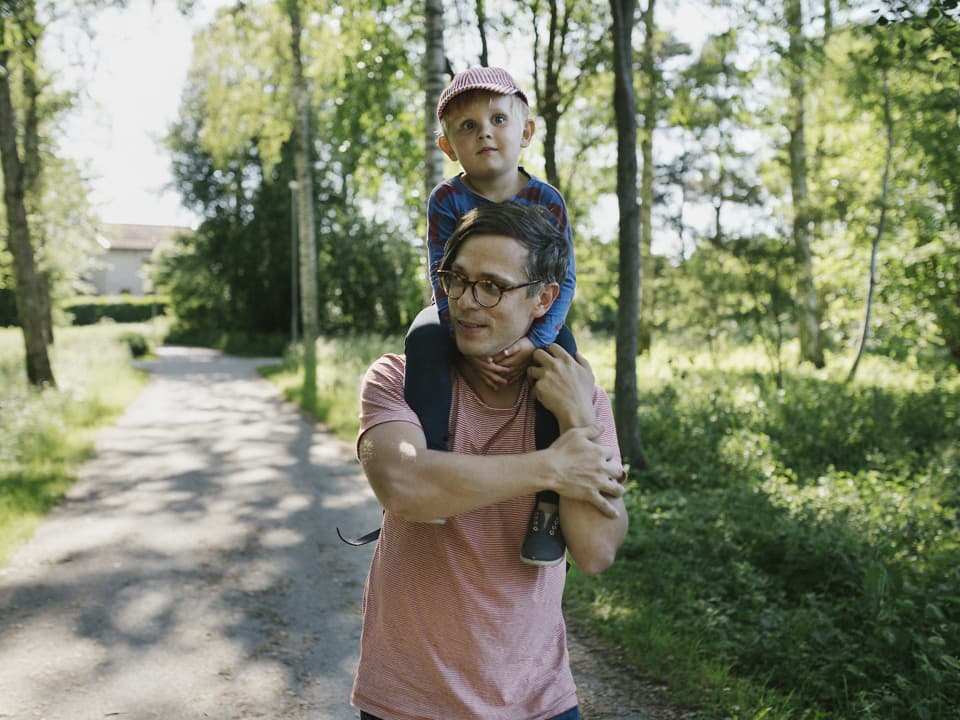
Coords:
122,309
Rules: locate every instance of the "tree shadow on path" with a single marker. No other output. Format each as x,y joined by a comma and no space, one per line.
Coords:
194,570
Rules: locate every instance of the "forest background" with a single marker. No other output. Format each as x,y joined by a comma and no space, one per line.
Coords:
793,259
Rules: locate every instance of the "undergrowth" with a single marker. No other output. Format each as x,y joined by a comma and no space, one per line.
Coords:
793,552
46,433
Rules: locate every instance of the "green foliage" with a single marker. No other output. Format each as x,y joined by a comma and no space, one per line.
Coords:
793,552
123,309
137,343
45,434
800,546
596,301
8,308
341,364
237,342
233,163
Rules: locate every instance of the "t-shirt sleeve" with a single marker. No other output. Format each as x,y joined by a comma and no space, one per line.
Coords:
381,395
603,411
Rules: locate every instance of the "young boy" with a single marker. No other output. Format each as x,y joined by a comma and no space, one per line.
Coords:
485,123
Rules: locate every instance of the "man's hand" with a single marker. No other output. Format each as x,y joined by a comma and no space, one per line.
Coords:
564,385
588,471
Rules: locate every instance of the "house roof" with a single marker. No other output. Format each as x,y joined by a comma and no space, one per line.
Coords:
137,237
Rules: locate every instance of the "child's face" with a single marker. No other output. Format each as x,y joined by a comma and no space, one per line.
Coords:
485,134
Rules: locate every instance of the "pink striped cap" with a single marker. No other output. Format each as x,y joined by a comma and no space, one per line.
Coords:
493,79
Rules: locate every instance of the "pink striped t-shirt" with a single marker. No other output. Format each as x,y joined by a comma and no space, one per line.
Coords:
455,626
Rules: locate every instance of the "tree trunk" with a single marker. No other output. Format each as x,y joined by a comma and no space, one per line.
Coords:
645,329
305,226
811,349
434,77
30,305
31,153
482,32
881,225
434,71
628,302
547,85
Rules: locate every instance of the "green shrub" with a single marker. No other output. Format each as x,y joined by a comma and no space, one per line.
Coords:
341,364
805,540
137,342
45,434
793,553
242,344
122,309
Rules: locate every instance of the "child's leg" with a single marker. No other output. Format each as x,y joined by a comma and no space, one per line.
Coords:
546,429
426,381
544,544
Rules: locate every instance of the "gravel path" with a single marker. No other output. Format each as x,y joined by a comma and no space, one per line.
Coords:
193,571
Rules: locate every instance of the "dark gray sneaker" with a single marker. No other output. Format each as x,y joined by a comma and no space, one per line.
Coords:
544,544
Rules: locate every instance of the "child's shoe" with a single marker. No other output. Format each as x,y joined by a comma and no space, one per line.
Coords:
544,544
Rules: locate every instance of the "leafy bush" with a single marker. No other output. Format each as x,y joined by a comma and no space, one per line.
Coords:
240,343
45,434
125,309
341,364
792,553
137,342
799,549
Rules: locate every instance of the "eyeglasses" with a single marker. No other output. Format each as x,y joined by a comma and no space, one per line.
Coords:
487,293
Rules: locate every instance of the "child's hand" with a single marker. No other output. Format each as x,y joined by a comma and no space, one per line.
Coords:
515,359
492,374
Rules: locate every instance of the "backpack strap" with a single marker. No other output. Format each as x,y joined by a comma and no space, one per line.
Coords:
362,540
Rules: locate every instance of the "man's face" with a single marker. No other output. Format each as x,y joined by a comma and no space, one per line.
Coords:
483,332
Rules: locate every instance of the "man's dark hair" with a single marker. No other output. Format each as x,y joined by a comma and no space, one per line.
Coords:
548,252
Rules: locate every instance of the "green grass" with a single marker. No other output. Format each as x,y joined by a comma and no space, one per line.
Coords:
341,364
46,434
794,552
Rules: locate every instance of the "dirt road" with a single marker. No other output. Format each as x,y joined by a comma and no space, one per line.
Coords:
194,570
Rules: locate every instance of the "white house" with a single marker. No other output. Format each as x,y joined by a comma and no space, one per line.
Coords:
124,266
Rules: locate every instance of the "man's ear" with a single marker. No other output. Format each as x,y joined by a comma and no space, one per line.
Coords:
447,147
528,129
546,296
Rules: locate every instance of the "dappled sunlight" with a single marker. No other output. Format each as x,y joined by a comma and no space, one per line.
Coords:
281,538
360,497
408,450
196,552
142,612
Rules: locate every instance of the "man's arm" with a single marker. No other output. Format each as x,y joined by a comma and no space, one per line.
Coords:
420,484
565,386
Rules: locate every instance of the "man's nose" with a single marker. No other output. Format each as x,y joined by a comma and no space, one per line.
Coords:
468,299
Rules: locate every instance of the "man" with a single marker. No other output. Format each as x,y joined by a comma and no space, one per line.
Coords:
455,626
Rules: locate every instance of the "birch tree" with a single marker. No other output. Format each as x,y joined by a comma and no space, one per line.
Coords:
18,23
305,218
648,65
628,303
881,224
808,316
434,76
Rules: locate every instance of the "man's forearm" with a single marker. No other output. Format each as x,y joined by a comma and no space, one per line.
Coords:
421,484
